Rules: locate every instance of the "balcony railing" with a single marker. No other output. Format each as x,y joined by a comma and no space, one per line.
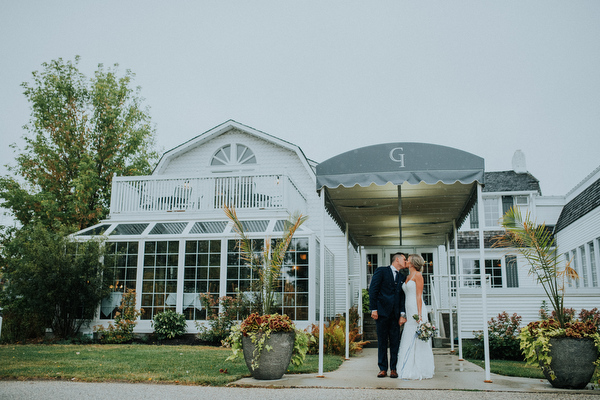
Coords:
145,194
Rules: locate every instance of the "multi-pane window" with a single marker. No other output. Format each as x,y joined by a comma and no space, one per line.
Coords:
584,271
159,285
593,264
512,272
507,203
292,289
567,260
237,154
495,208
575,266
474,217
585,261
202,274
491,211
122,257
239,274
372,264
427,272
470,273
492,268
294,280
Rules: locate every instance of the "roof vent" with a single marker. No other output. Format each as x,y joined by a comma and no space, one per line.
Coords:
518,162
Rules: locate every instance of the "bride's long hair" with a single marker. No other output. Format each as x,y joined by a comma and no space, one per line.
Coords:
417,261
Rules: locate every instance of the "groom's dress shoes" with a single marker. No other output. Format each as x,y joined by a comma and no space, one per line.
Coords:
393,374
383,374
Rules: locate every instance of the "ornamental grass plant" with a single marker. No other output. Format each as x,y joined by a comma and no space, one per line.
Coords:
537,245
266,265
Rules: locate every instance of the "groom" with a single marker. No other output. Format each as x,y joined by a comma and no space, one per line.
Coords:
386,299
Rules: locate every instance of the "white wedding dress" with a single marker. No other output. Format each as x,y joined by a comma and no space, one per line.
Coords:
415,357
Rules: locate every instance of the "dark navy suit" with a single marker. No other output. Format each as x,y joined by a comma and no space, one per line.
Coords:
387,298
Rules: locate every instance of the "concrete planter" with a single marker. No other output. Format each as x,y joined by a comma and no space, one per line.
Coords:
572,362
271,364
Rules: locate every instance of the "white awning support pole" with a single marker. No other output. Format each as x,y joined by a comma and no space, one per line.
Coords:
482,274
451,312
363,274
322,286
347,296
458,285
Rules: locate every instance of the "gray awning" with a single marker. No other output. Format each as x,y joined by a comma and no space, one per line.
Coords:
400,193
398,163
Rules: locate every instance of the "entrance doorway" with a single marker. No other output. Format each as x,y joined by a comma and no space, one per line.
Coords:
378,258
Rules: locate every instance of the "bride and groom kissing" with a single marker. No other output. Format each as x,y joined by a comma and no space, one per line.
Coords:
392,297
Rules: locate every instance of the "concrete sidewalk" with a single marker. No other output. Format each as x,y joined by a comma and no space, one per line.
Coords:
450,374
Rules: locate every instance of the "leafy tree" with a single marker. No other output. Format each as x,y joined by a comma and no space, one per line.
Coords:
52,278
81,132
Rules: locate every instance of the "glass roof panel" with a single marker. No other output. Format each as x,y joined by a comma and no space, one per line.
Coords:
96,230
168,228
129,229
255,226
208,227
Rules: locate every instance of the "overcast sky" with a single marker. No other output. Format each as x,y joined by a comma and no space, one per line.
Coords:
487,77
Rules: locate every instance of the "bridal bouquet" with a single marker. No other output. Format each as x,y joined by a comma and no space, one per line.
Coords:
425,330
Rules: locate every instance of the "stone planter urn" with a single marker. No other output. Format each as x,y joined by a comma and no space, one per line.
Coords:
274,363
572,362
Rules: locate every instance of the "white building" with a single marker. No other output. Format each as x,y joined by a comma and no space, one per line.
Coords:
578,235
169,238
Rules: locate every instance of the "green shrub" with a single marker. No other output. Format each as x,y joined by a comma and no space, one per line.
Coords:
334,341
20,324
219,325
125,321
169,324
366,309
503,335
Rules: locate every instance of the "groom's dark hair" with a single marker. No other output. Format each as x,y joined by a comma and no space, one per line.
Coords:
396,255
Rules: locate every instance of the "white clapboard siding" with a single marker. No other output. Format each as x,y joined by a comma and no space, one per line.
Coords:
524,303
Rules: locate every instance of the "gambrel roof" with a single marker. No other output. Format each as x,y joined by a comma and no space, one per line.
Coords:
226,127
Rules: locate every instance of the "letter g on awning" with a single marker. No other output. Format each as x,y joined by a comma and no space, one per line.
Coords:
400,193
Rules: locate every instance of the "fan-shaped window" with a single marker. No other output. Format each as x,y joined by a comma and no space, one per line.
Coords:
236,154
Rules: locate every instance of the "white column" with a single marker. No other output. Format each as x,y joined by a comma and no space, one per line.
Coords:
322,286
361,280
458,285
451,317
347,297
486,342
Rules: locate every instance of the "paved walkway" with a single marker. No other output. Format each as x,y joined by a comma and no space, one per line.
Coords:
355,379
450,374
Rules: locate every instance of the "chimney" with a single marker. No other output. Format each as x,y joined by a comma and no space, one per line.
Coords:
518,162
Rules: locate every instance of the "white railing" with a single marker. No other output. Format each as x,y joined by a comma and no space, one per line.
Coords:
144,194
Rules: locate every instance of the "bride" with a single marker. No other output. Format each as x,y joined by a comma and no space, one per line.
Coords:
415,357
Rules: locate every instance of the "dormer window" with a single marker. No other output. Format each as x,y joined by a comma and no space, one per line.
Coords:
233,154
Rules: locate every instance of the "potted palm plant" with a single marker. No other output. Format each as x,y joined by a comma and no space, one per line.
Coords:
566,350
267,340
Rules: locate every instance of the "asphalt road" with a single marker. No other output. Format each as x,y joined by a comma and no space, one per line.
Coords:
22,390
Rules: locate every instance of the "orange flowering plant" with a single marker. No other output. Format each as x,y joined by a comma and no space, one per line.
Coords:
259,328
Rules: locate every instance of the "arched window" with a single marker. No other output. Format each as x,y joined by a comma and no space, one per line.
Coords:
233,154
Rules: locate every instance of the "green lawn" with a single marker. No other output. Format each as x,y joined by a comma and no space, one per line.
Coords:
519,368
512,368
194,365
